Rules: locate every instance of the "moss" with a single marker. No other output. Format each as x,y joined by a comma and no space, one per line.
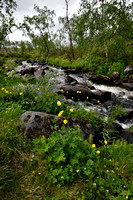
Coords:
26,119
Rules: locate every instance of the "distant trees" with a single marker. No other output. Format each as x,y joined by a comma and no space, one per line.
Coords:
101,22
7,7
67,27
39,27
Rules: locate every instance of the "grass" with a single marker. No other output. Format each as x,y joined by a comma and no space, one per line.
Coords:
25,167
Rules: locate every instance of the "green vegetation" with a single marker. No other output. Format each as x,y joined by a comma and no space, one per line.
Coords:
63,166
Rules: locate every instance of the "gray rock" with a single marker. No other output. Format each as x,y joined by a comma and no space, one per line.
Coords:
70,80
128,86
39,73
128,70
114,76
38,123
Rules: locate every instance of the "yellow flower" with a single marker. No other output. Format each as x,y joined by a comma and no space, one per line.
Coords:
60,113
38,88
62,90
39,173
10,92
20,93
33,172
87,97
105,118
93,145
2,88
71,110
77,91
66,91
65,121
105,142
72,97
98,152
58,103
6,91
98,101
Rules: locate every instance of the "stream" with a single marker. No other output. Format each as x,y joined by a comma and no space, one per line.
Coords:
71,82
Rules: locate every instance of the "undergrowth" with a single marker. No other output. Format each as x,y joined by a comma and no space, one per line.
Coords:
63,166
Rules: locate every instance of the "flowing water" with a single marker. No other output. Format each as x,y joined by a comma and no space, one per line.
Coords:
83,79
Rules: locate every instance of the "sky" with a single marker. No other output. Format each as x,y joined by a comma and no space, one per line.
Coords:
25,7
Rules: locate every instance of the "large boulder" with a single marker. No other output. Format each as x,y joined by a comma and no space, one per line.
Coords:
29,70
83,93
38,123
100,79
114,76
77,92
128,70
128,86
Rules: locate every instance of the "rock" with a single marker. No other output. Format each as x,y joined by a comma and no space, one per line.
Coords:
70,80
127,135
89,85
77,92
19,62
82,93
128,70
102,96
39,73
72,71
37,124
100,79
30,70
108,104
127,117
114,76
128,86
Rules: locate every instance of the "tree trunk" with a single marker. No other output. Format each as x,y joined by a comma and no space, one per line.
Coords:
106,49
69,31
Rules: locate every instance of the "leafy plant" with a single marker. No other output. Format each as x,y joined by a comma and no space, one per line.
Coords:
68,156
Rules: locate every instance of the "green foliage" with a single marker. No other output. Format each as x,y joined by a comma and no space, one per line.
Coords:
104,68
9,65
117,48
68,156
131,128
108,130
7,8
93,61
117,67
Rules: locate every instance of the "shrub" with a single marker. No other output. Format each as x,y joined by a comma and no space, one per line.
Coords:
9,65
68,156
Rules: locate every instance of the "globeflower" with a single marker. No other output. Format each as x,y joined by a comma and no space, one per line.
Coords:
60,113
65,121
58,103
93,145
2,88
71,110
20,93
105,142
98,152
